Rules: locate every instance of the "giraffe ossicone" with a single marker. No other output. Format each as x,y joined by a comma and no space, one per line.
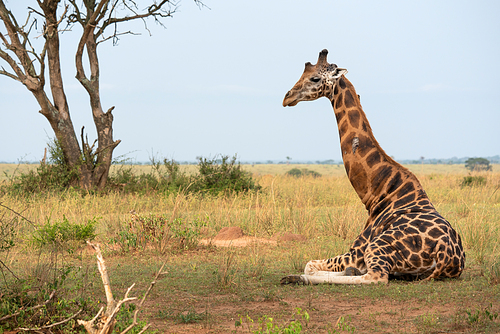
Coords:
404,234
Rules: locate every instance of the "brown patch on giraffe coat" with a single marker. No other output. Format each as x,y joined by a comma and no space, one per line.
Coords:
342,83
349,100
346,144
365,145
339,101
358,178
373,159
380,178
343,128
394,183
354,117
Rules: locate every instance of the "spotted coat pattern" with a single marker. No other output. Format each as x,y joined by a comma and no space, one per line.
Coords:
404,234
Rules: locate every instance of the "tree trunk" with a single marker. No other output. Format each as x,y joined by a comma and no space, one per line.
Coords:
99,162
95,16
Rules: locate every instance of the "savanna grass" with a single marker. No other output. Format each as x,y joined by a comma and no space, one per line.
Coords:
326,210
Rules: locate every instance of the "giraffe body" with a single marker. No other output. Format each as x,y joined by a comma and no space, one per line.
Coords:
404,234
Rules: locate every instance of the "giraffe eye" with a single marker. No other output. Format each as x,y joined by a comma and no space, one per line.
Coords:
315,79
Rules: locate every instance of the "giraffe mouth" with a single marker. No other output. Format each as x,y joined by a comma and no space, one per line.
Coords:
290,104
290,100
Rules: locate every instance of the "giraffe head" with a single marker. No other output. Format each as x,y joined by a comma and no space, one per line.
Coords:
316,81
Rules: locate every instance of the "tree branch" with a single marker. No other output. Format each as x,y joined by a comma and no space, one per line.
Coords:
29,308
134,322
52,325
10,75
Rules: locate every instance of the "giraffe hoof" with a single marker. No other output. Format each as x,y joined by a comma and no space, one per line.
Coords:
291,279
351,271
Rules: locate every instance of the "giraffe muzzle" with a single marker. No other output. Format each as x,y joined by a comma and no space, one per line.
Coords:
289,101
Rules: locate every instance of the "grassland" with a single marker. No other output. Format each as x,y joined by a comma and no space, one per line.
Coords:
213,290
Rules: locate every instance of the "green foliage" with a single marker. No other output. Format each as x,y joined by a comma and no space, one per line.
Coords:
8,232
215,176
165,176
159,231
470,181
191,317
481,315
184,317
64,235
302,172
29,298
51,176
478,164
343,325
266,324
221,175
125,318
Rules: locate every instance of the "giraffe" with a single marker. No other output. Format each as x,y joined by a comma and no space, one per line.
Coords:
404,234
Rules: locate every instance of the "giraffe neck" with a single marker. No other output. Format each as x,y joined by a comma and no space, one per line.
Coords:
375,176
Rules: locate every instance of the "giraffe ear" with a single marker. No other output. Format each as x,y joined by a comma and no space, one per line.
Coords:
339,72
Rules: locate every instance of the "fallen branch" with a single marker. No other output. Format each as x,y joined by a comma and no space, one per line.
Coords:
104,323
134,322
29,308
51,325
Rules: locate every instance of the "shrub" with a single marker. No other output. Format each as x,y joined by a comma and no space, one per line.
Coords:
53,175
221,175
302,172
63,235
469,181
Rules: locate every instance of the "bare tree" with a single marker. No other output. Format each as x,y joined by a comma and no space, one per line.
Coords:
99,20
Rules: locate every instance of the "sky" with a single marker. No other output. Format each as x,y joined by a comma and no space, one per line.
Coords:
213,81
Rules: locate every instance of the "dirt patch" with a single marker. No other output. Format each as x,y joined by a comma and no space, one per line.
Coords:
234,236
229,233
325,311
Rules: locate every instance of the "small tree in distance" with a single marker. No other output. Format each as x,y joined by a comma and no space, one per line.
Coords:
99,20
478,164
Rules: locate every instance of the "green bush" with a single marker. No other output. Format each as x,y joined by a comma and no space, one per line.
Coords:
52,175
219,175
63,235
470,181
302,172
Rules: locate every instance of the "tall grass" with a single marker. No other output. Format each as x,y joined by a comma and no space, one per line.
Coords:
324,207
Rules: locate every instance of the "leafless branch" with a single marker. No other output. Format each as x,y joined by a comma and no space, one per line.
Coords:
155,11
52,325
10,271
114,36
17,213
10,75
134,322
108,319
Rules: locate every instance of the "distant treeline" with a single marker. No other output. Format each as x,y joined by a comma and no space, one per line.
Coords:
451,161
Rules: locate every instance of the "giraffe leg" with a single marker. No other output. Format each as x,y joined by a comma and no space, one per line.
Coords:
322,276
298,279
328,278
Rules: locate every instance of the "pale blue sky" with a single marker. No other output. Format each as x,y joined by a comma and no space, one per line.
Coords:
214,80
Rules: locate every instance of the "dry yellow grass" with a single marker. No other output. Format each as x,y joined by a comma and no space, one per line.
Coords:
7,170
325,207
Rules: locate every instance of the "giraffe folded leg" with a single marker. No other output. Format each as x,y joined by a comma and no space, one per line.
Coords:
321,276
336,279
